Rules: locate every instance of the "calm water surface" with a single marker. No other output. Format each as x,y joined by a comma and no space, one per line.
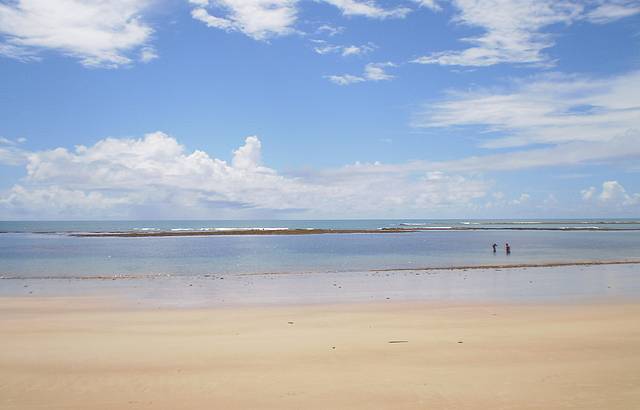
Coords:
25,253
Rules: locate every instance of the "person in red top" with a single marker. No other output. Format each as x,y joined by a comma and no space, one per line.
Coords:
507,247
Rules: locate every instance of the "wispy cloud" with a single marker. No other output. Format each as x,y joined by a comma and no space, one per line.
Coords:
329,30
561,155
263,19
324,47
372,72
368,8
607,11
148,54
105,33
11,153
514,30
625,147
258,19
430,4
547,109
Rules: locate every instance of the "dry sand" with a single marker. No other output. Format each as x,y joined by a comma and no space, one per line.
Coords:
80,354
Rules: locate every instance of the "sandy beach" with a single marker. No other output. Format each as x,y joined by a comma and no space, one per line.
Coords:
79,353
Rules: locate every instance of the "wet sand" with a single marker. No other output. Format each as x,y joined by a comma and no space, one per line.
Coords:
79,353
551,283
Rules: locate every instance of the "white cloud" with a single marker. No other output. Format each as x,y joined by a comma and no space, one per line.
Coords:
614,191
18,53
498,200
323,47
607,11
521,200
372,72
59,200
514,30
156,175
376,71
430,4
148,54
345,79
367,8
588,193
626,147
567,154
547,109
329,30
100,33
263,19
612,194
10,152
249,155
258,19
354,50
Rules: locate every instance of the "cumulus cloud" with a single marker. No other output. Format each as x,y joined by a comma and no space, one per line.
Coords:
548,109
372,72
100,33
249,155
611,194
156,175
514,30
55,200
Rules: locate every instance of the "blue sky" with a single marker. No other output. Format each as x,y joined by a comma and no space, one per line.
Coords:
319,109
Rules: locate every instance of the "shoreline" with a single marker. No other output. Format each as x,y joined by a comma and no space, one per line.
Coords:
550,284
461,268
79,353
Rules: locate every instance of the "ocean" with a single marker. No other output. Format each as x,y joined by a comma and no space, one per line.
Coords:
48,249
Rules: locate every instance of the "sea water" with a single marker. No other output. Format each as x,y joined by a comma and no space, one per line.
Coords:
45,249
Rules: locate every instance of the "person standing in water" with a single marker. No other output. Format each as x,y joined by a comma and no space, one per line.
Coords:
507,247
495,245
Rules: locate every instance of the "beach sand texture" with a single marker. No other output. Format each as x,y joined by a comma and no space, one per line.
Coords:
74,353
